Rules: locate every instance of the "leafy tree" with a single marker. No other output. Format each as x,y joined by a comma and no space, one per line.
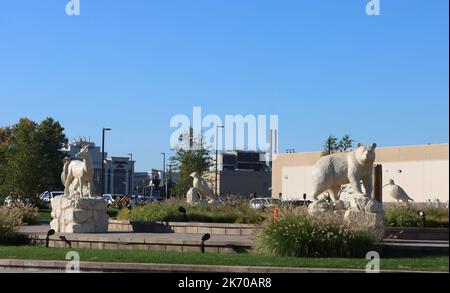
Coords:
190,156
30,157
51,139
346,143
330,146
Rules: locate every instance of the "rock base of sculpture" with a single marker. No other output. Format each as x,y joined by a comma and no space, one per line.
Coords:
79,215
192,196
364,213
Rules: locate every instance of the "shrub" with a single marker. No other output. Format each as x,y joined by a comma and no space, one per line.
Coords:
28,212
10,220
230,211
301,235
401,216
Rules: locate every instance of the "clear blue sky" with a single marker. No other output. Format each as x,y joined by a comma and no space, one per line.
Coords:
322,66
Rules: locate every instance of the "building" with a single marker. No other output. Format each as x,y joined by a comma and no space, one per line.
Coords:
241,160
422,170
242,183
118,170
241,173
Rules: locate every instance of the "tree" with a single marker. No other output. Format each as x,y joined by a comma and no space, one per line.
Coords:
346,143
51,139
330,146
190,156
30,157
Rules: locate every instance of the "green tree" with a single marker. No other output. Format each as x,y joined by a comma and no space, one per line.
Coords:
5,141
30,157
190,156
51,139
330,146
346,143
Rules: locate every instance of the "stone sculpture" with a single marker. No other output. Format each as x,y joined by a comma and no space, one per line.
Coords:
79,215
335,170
77,211
79,171
192,196
201,187
397,192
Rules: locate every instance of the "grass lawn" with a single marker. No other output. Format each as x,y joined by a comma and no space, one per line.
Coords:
44,215
435,263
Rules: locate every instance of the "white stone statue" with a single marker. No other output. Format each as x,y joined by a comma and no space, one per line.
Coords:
74,212
335,170
77,175
202,187
192,196
396,192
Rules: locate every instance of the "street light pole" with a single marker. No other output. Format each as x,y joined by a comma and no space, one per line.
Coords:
164,172
103,160
126,187
131,173
217,155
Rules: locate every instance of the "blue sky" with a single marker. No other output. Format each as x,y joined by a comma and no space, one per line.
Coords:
323,66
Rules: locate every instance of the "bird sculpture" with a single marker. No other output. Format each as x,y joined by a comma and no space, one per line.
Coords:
202,186
397,192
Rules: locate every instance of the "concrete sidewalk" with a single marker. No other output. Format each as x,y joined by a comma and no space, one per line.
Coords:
14,265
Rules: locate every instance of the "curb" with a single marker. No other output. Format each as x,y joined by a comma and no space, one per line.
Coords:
108,267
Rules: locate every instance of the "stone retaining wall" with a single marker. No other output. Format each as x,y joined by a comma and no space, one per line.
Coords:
183,227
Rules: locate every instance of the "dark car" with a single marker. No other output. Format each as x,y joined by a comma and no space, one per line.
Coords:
298,202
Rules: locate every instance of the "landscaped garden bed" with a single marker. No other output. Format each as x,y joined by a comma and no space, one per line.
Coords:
233,211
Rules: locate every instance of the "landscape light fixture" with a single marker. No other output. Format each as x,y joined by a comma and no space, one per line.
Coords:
47,239
422,217
183,213
205,237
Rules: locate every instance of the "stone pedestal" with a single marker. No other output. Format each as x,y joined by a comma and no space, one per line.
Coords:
364,213
192,196
79,215
364,220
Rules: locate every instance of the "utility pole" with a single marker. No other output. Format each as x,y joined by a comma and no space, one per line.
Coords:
217,156
103,160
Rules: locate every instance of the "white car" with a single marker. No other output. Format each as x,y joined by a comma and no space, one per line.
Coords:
47,196
257,203
110,199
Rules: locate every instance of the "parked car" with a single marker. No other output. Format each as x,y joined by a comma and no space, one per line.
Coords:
110,199
47,196
257,203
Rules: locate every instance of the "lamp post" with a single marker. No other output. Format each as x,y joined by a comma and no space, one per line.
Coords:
103,160
217,155
126,187
131,172
164,173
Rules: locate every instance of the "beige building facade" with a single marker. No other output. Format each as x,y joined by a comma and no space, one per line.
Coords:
421,170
